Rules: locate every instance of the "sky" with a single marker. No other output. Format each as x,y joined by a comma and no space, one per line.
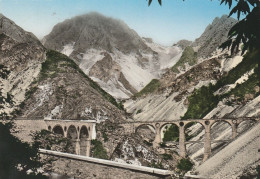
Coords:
166,24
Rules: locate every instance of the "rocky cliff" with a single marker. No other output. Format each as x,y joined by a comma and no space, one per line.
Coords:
215,34
47,84
63,91
21,54
218,86
93,39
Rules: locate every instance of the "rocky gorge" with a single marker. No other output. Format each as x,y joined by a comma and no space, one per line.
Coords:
109,74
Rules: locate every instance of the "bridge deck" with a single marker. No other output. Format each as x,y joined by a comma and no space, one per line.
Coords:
196,142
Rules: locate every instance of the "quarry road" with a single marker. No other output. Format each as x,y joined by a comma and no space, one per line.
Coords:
238,156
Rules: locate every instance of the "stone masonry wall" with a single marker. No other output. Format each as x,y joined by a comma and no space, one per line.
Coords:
88,170
25,128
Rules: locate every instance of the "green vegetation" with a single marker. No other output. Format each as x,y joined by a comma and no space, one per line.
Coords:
47,140
139,111
105,137
147,143
14,153
98,151
171,134
188,56
58,63
258,171
203,100
249,62
149,88
28,93
246,87
185,164
163,145
167,156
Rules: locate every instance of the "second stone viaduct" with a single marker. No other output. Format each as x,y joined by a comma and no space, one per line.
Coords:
132,127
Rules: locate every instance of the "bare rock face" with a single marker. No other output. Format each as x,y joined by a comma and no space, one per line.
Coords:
22,54
108,70
10,29
105,68
63,91
93,39
213,36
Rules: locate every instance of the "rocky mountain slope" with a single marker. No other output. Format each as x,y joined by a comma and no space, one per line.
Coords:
215,34
47,84
205,46
21,54
238,160
217,86
170,93
111,53
63,91
206,83
41,83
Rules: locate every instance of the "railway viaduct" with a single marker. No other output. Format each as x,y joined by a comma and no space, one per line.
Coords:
81,132
157,126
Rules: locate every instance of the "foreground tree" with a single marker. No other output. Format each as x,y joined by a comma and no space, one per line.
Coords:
18,159
247,30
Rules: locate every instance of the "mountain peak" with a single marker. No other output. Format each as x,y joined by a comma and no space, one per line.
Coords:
9,28
94,30
214,35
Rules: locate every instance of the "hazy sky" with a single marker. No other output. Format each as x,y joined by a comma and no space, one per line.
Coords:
166,24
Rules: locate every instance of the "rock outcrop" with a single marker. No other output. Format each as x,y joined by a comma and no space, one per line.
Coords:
93,39
218,85
21,54
214,35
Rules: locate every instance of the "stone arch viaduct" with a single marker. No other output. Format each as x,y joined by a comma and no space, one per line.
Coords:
131,127
81,132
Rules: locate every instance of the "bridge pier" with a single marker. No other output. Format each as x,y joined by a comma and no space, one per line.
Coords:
77,146
88,148
157,140
182,141
234,130
207,143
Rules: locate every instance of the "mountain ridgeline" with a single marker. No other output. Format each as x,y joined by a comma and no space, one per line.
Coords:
96,31
46,83
90,62
111,53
